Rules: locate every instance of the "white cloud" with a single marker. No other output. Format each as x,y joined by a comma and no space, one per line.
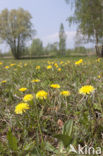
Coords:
70,34
55,37
70,38
50,38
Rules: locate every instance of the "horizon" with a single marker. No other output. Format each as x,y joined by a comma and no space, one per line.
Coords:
56,12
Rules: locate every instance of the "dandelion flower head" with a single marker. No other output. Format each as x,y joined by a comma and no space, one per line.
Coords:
41,95
21,107
86,89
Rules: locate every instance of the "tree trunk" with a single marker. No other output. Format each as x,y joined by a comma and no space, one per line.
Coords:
96,46
15,53
102,51
97,50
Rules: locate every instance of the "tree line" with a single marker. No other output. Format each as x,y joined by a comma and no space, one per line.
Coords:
16,29
88,15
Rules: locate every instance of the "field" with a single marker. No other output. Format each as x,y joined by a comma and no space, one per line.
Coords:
44,109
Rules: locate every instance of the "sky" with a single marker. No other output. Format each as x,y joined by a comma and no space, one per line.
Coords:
47,15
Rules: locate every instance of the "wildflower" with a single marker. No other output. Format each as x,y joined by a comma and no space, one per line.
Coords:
99,76
1,63
49,62
41,95
49,67
78,62
61,62
21,107
56,65
25,64
22,89
4,81
86,89
28,97
6,67
65,93
35,80
12,65
55,86
98,60
59,69
37,67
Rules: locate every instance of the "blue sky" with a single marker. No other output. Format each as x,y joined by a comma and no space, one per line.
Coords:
47,16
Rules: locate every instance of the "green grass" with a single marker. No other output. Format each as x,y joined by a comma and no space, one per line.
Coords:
35,132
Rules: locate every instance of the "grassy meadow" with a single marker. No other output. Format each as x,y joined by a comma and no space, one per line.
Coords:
43,110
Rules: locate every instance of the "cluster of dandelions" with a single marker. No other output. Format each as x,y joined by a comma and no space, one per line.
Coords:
79,62
23,106
41,95
49,66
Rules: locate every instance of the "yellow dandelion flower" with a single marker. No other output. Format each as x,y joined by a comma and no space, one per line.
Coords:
41,95
98,60
35,80
37,67
61,62
1,63
25,64
49,62
59,69
12,65
65,93
86,89
99,76
79,62
49,67
21,108
56,65
55,86
22,89
6,67
28,97
4,81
